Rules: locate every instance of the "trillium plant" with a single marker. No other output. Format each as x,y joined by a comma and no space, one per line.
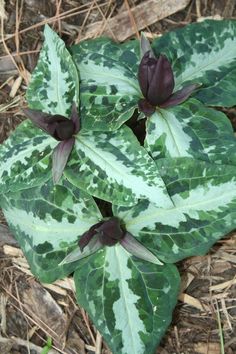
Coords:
122,168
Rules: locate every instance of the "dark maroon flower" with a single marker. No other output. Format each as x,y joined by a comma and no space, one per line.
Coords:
156,80
61,129
108,233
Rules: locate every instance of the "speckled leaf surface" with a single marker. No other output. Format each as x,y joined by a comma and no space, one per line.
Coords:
25,159
204,197
47,221
129,301
127,53
114,167
109,88
204,53
54,83
191,130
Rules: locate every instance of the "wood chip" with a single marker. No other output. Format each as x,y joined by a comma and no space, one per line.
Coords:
226,284
15,87
12,251
189,300
143,15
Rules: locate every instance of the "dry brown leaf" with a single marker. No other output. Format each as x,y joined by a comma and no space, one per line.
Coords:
143,15
46,312
189,300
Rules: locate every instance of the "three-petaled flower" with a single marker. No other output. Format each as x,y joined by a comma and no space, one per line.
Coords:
108,233
61,129
156,80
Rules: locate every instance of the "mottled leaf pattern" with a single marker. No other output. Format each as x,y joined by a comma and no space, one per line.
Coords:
176,202
54,83
204,197
25,158
130,301
191,130
114,167
109,88
47,221
204,53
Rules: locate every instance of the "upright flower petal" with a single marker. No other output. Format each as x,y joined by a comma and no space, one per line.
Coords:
60,157
143,74
145,46
162,82
135,248
93,246
179,96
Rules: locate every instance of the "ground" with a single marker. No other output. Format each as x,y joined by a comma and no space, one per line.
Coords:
31,313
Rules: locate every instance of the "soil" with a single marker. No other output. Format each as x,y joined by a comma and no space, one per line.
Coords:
30,312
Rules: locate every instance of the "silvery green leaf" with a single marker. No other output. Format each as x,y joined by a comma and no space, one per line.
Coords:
114,167
204,53
109,88
191,130
204,198
25,158
130,301
54,83
48,221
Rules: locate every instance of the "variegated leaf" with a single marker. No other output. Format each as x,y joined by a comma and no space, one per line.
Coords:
47,221
130,301
54,83
191,130
127,53
25,158
204,197
109,88
114,167
204,53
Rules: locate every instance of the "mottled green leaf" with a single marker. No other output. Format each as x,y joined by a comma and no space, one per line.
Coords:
114,167
25,158
127,53
130,301
47,221
204,53
109,88
204,197
54,83
191,130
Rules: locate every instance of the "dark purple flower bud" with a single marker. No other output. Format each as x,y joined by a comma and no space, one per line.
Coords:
109,232
155,78
60,128
64,130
